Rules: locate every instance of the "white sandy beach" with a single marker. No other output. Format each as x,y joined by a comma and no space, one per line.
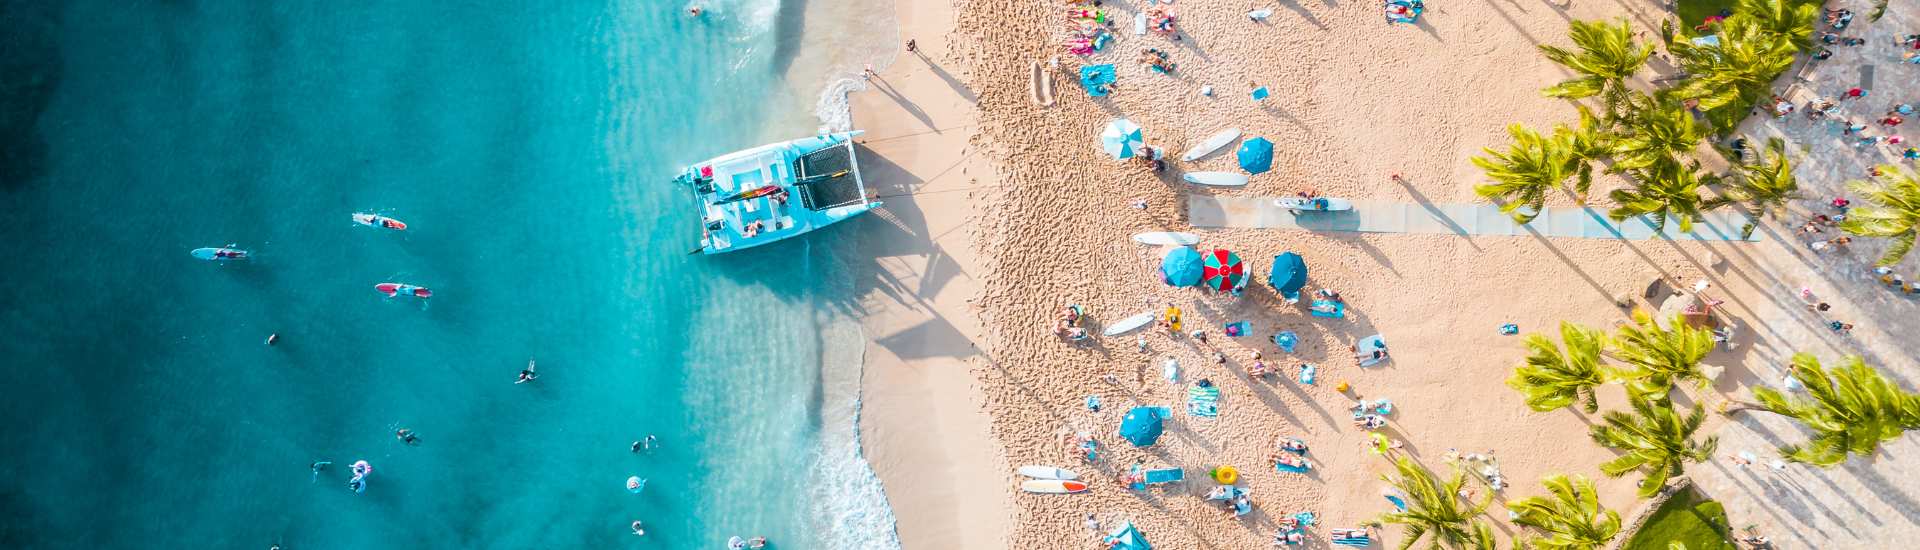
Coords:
1355,101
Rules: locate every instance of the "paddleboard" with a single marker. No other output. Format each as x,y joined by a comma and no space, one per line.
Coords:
396,289
1166,238
1055,486
1048,472
376,220
1222,179
215,254
1211,144
1313,205
1129,324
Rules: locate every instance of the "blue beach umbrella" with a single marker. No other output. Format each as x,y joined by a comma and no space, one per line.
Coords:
1142,426
1126,537
1256,155
1123,139
1181,267
1288,275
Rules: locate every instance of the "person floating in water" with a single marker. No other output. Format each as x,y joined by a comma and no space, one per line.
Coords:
646,444
361,469
637,531
757,542
317,466
693,11
527,375
407,436
273,338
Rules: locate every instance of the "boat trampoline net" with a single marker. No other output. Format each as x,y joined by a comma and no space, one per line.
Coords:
828,192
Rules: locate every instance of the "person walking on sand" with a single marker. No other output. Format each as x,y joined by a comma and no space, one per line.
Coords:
912,47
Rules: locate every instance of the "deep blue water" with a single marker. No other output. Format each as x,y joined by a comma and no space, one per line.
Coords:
529,146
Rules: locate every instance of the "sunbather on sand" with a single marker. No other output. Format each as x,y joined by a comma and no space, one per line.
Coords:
1289,459
1287,535
1369,421
1291,444
1348,533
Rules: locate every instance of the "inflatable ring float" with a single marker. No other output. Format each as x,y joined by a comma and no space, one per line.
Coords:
1226,475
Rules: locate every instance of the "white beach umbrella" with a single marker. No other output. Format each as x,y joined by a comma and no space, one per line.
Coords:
1123,139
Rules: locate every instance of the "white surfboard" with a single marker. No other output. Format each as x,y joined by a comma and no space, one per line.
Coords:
1048,472
1056,486
1309,205
1212,144
1260,14
1140,24
1222,179
1164,238
1129,324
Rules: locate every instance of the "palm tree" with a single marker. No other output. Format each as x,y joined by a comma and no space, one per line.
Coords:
1573,517
1668,190
1851,409
1736,71
1533,165
1894,214
1765,186
1552,379
1585,144
1435,508
1657,357
1607,57
1787,18
1658,441
1659,132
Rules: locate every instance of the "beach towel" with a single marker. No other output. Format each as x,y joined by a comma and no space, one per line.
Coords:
1096,78
1293,469
1237,329
1306,374
1363,350
1286,340
1382,406
1328,308
1305,519
1358,542
1203,401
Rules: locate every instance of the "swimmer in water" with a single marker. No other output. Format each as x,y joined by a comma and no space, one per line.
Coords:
317,466
693,11
649,442
757,542
407,436
527,375
273,338
637,531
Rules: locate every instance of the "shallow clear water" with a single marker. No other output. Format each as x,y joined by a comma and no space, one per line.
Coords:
529,147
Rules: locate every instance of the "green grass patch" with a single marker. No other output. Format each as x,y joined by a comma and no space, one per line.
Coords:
1687,517
1695,12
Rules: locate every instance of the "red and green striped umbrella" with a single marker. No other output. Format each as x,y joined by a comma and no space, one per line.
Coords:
1221,270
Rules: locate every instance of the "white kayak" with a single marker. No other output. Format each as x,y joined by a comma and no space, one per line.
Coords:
1211,144
1320,204
1221,179
1129,324
1048,472
1056,486
1165,238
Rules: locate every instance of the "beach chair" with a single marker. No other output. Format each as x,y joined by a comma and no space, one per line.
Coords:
1203,401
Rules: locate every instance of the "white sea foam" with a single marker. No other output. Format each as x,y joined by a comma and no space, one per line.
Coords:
846,495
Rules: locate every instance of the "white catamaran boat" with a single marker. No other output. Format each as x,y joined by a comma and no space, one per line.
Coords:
775,191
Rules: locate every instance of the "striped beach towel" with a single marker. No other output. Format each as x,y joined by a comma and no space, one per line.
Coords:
1203,401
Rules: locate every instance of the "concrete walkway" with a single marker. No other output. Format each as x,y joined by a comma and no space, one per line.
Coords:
1864,503
1457,219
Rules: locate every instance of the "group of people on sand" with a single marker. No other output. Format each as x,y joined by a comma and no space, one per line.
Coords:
1067,324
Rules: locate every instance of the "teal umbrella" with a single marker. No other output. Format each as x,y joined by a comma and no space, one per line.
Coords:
1142,426
1256,155
1123,139
1288,275
1181,267
1126,537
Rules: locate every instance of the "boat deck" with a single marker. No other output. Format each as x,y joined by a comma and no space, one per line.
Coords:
829,192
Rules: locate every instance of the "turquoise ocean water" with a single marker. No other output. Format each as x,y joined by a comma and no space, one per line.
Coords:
529,146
